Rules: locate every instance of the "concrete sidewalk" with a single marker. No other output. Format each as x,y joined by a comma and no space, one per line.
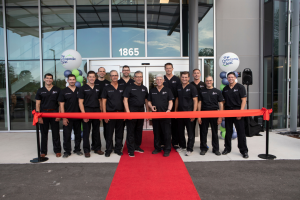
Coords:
20,148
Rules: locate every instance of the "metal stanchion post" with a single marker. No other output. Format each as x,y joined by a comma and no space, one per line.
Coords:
267,155
39,158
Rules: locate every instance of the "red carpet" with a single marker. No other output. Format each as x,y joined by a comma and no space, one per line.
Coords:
148,176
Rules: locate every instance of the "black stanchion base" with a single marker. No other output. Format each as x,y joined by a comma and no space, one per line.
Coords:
36,160
267,156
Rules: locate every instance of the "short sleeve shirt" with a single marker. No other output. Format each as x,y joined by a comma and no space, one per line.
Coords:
210,99
200,86
48,98
160,99
70,99
102,84
185,97
172,84
90,95
136,97
122,82
233,96
114,98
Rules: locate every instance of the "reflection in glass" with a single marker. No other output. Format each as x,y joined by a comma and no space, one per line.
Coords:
21,2
24,81
280,28
153,74
3,102
55,68
93,30
163,23
128,33
1,36
22,33
57,30
208,67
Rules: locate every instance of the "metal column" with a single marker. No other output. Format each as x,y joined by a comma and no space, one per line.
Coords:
193,36
294,68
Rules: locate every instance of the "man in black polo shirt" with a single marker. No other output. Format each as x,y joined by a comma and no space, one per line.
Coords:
112,101
235,99
186,100
200,85
69,103
160,99
135,98
125,80
210,99
172,82
89,101
46,101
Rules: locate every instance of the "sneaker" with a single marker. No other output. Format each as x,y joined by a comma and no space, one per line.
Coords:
79,153
188,153
131,154
166,154
176,147
139,150
217,153
118,153
180,149
156,151
203,152
66,155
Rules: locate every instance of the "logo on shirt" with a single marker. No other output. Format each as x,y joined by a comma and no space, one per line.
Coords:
77,92
97,90
143,90
54,92
235,90
120,91
214,93
188,90
164,92
106,84
201,86
173,81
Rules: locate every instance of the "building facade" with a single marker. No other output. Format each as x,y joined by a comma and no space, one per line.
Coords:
143,34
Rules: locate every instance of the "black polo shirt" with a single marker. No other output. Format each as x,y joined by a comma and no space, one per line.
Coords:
210,99
185,97
136,97
122,82
200,86
90,96
102,83
172,84
48,98
70,99
160,99
114,98
233,96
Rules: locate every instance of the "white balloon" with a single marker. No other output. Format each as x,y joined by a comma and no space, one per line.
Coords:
229,62
70,59
67,84
66,79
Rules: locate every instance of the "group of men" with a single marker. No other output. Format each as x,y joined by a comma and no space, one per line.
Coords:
171,94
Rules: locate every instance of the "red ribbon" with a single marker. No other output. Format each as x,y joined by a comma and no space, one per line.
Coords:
157,115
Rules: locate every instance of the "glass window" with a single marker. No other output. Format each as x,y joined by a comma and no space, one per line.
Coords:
3,102
128,28
93,29
163,23
2,47
22,33
57,29
24,81
21,2
208,67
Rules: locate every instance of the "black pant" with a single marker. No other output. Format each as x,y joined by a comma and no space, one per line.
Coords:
116,125
55,135
162,127
76,126
190,127
134,134
104,133
214,131
95,132
240,129
175,132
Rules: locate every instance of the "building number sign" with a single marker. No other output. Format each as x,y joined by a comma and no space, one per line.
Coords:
129,52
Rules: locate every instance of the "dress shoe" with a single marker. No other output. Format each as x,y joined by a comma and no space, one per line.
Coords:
166,154
156,151
43,155
217,153
99,152
87,155
202,152
225,152
58,155
107,154
119,153
79,153
66,155
245,155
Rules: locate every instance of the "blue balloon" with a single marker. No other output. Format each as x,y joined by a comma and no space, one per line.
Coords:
236,74
234,135
67,73
223,124
223,75
80,72
78,84
225,81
